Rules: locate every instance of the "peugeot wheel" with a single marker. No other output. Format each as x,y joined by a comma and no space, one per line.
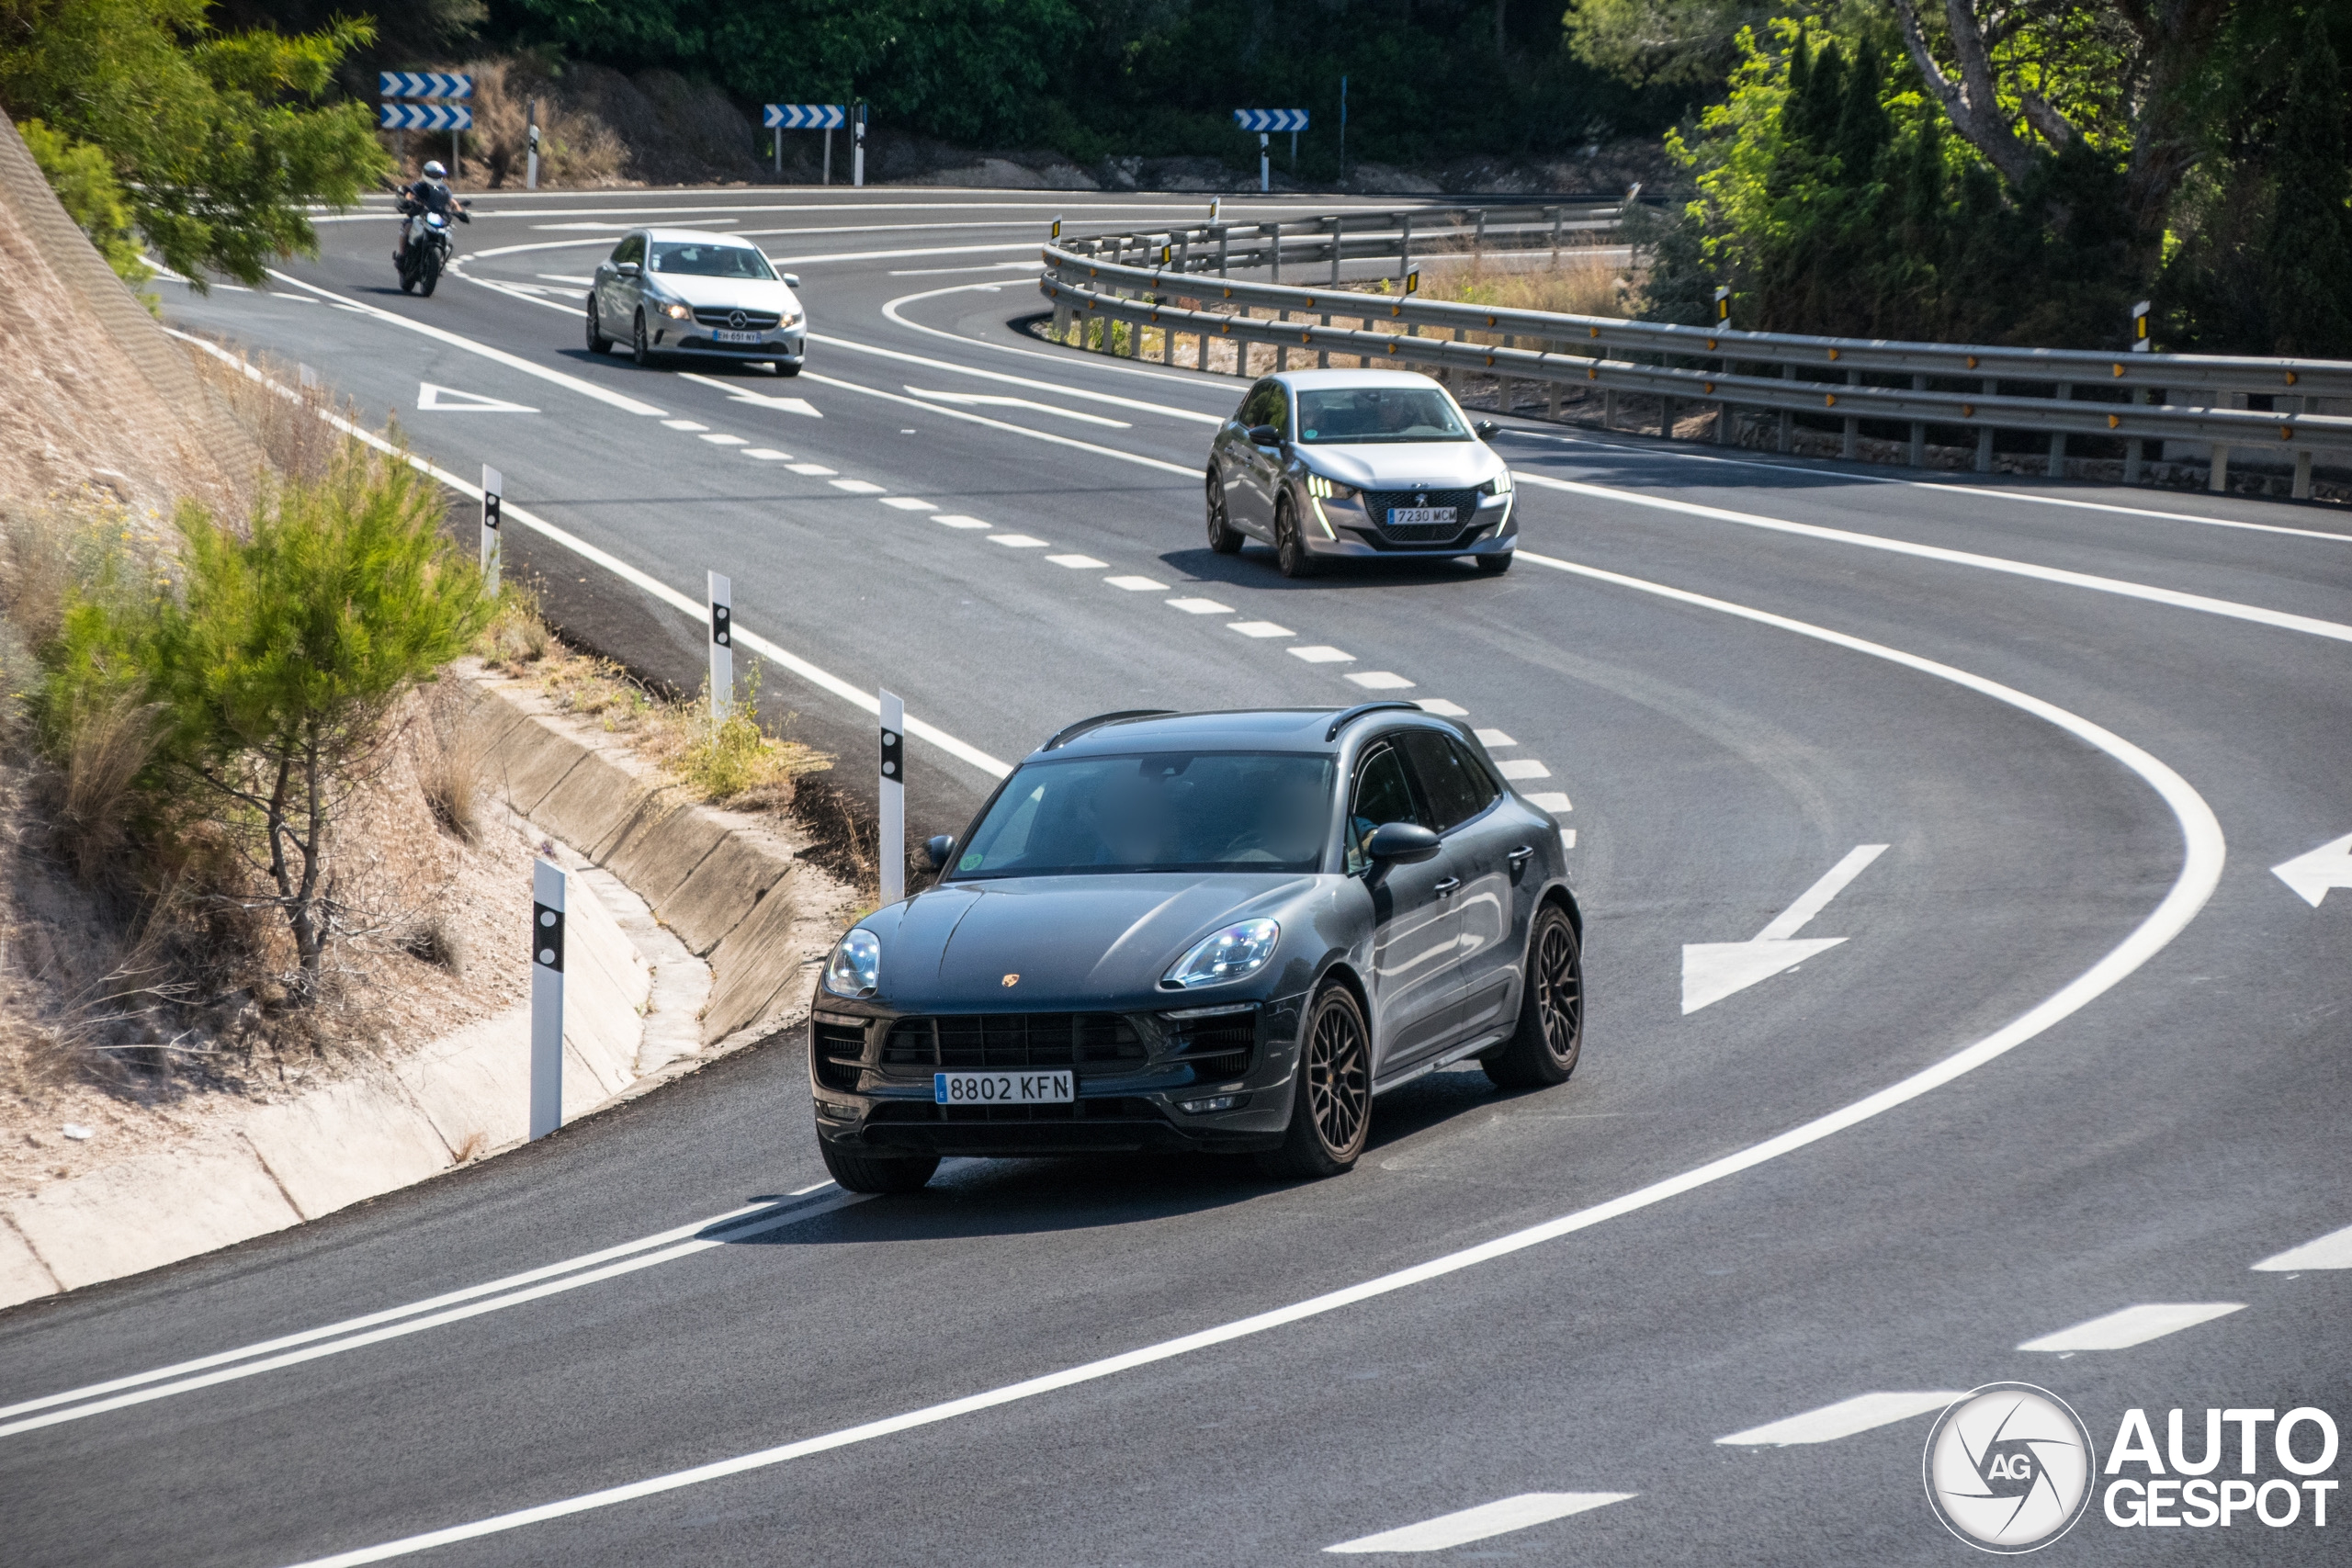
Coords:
639,349
1224,537
1290,545
1551,1009
876,1173
597,342
1330,1108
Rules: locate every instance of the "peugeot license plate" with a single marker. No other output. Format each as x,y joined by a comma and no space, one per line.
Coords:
1003,1089
718,336
1419,516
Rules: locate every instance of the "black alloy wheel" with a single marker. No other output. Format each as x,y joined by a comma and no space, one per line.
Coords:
1224,537
1330,1114
1290,545
597,342
858,1172
1550,1037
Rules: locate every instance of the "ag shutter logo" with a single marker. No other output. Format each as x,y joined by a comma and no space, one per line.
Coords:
2008,1468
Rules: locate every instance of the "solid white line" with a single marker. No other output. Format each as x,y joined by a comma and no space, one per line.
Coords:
1045,435
998,400
1487,1519
886,256
2204,852
2132,1325
1004,378
1066,357
2333,1250
512,361
1816,899
1861,1414
2335,630
696,609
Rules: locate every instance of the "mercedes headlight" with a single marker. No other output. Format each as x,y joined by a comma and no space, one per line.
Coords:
855,967
677,312
1322,489
1233,954
1498,485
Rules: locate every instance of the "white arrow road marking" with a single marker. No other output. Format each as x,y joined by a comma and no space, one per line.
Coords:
1486,1519
2310,875
1713,970
757,399
2333,1250
993,400
448,399
2133,1326
1843,1419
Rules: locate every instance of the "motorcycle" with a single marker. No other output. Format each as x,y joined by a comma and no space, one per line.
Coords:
429,248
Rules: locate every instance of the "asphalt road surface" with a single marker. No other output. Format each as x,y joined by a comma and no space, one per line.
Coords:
2078,1051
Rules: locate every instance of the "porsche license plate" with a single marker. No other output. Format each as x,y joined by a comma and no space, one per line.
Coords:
721,336
1005,1089
1419,516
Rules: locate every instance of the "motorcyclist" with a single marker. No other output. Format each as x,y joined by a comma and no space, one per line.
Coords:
430,194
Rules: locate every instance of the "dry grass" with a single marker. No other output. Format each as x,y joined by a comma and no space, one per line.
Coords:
576,147
98,752
449,753
299,444
1584,284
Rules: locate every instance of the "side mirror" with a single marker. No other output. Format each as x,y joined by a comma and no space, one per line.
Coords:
1402,842
627,269
1264,436
1485,429
941,848
791,279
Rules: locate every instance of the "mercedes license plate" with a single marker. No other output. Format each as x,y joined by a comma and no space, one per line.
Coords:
1419,516
1003,1089
721,336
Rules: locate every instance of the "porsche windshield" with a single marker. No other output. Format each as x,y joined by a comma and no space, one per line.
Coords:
1165,811
1356,414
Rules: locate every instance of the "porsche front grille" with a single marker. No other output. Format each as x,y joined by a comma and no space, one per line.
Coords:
1102,1040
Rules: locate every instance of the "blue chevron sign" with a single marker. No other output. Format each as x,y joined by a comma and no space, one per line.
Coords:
1270,119
424,85
805,117
424,117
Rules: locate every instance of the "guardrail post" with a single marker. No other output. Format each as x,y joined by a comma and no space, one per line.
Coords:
1339,227
2058,437
1220,249
1323,356
1559,218
1919,429
1724,429
1609,408
1788,422
2303,489
1478,237
1666,419
1273,233
1985,432
1550,347
1405,250
2219,483
2134,450
1851,446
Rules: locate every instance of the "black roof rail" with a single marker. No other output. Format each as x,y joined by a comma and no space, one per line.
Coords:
1357,712
1083,724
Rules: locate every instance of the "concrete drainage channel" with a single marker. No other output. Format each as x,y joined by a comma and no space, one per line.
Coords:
694,938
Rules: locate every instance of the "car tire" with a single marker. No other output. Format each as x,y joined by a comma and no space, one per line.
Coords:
1550,1037
782,369
1330,1107
857,1172
597,342
1495,566
640,348
1290,545
1224,537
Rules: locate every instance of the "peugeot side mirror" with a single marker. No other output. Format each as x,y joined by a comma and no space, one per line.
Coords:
1264,436
791,279
627,269
941,848
1400,843
1485,429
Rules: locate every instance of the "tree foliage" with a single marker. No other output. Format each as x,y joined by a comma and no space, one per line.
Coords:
83,178
218,141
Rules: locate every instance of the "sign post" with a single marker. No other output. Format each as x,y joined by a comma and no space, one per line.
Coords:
890,835
1263,121
722,646
546,997
782,118
493,485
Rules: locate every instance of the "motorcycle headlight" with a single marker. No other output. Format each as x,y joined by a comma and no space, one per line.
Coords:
1322,489
677,312
1498,485
1233,954
855,967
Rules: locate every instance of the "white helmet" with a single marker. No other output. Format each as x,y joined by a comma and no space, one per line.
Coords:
433,171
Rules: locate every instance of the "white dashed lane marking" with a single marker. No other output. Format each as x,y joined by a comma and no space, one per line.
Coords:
721,439
1843,1419
908,504
816,471
1443,708
684,425
1528,1510
1523,768
2330,1251
1200,606
1260,628
1321,653
767,454
1079,563
1551,801
2132,1325
957,519
1136,585
1017,542
857,487
1490,739
1379,679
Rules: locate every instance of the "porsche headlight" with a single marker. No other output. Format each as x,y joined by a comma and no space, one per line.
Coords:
1322,489
1233,954
677,312
855,967
1498,485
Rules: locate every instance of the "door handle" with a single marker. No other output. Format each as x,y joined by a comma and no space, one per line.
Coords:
1521,856
1448,886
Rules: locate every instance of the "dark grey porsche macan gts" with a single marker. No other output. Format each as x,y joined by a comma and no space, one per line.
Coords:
1225,931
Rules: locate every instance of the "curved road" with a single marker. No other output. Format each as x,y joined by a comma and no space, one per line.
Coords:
2079,1050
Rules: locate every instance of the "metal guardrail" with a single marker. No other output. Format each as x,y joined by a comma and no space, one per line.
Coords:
2060,392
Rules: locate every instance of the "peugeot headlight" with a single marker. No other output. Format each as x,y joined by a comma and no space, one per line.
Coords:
855,967
1498,485
1233,954
1322,489
677,312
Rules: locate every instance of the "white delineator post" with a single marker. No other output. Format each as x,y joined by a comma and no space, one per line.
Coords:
546,997
531,160
1265,170
493,485
858,149
890,837
722,646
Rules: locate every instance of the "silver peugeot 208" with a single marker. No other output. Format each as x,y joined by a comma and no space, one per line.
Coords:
1327,464
677,291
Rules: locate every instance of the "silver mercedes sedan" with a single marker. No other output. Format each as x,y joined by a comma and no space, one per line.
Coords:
677,291
1330,464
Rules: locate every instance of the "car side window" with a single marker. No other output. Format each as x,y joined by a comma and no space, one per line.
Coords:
1383,794
1484,791
1262,406
632,249
1458,789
